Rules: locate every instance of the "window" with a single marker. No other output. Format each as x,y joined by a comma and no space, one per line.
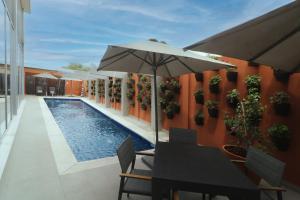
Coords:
2,70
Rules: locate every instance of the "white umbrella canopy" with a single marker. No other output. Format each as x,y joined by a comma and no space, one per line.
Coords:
141,57
272,39
45,75
156,58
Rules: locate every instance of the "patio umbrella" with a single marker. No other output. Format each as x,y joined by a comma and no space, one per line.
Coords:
157,59
45,76
272,39
70,79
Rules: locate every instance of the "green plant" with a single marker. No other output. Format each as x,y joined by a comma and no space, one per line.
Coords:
169,90
199,118
280,136
281,103
199,96
212,107
231,124
131,89
214,83
232,98
253,81
248,115
144,91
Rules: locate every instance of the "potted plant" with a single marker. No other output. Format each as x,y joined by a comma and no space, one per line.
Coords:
163,104
169,95
232,98
140,86
170,112
144,105
176,108
199,76
230,123
281,75
214,83
281,103
174,86
280,136
253,81
199,118
163,87
140,97
248,115
212,107
199,97
130,93
231,74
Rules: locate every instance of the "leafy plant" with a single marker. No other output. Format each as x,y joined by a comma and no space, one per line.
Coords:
199,118
281,103
199,96
212,107
253,81
231,124
144,91
131,89
280,136
214,84
232,98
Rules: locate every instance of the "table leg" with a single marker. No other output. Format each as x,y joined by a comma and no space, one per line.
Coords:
157,190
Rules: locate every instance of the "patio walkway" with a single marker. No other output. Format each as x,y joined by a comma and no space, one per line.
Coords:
31,172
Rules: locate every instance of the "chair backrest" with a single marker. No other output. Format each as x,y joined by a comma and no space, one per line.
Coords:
181,135
52,89
265,166
126,154
39,89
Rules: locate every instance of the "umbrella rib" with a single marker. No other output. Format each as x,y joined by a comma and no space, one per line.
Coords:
118,54
169,61
116,60
141,65
140,58
162,62
293,32
190,69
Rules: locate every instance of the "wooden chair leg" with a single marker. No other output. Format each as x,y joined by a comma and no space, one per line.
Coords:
279,195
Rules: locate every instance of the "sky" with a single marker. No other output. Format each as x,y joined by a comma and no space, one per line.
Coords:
60,32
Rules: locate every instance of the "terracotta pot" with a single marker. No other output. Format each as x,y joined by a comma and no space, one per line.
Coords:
227,148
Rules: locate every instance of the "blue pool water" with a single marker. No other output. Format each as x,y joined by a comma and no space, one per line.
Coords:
90,133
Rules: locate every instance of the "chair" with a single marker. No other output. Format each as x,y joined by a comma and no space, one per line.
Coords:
267,168
52,90
39,90
133,181
176,135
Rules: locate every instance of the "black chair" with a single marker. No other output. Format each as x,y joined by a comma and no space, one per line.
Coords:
133,181
269,169
176,135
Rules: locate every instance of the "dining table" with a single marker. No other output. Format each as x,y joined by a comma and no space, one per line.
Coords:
201,169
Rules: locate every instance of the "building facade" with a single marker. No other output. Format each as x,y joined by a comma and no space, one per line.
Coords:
11,59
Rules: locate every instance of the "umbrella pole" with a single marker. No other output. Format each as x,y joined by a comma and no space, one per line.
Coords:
155,105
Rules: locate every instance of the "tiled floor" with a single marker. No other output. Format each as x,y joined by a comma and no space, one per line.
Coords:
31,173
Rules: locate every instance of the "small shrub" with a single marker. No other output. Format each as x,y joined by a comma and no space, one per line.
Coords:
281,103
199,118
280,136
253,81
232,98
199,97
214,84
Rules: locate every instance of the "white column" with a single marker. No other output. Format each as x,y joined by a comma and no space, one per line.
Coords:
97,90
106,96
124,99
158,81
89,88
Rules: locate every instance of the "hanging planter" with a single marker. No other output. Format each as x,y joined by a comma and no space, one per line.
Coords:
231,74
280,136
199,118
199,97
253,82
214,84
281,103
199,76
281,75
253,64
212,107
170,112
144,91
131,89
232,98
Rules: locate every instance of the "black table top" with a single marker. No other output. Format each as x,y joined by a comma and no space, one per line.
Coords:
198,165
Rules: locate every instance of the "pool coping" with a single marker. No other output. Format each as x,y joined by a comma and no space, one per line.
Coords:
66,162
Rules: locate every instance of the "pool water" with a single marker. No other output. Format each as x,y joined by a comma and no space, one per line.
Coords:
89,133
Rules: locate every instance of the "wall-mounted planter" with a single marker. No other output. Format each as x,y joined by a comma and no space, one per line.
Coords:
282,109
199,76
213,112
199,97
199,118
232,98
280,136
281,75
253,64
214,89
232,76
281,103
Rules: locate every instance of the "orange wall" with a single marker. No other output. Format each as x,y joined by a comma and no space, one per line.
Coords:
73,87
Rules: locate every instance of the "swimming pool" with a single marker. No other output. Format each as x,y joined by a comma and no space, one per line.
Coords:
89,133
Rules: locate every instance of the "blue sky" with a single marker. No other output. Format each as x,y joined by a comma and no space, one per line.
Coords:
60,32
